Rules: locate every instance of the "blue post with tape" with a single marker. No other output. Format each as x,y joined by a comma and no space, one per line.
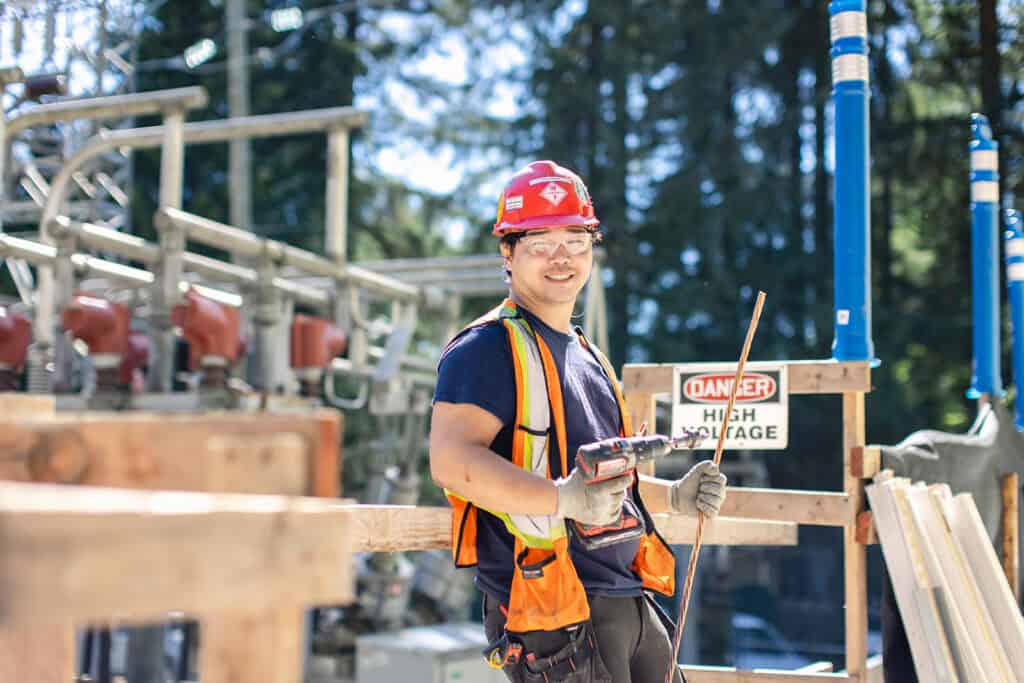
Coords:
1015,284
852,260
986,377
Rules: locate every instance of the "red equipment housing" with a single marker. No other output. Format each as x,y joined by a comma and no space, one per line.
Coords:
212,329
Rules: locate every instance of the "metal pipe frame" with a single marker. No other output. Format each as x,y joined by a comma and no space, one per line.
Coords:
203,132
137,249
116,106
90,266
246,244
170,136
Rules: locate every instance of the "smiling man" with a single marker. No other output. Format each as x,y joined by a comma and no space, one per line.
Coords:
519,391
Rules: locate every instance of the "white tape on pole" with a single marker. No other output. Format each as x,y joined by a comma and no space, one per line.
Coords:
984,191
849,25
985,160
1015,272
853,67
1015,247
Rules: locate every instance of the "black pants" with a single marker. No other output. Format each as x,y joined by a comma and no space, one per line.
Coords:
632,641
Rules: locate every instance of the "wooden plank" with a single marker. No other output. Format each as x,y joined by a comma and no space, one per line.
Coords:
161,451
1010,531
642,411
37,654
964,521
66,549
280,460
963,586
917,609
681,529
805,377
327,454
723,674
854,554
829,377
392,528
865,461
975,657
781,505
252,646
14,403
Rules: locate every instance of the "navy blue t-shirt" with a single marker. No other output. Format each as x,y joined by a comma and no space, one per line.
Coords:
478,369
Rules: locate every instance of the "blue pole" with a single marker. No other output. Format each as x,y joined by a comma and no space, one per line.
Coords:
985,259
1015,284
852,261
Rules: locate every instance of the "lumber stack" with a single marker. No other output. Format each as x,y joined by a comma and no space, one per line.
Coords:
961,619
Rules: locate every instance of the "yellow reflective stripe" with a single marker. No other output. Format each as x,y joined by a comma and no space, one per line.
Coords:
523,362
557,531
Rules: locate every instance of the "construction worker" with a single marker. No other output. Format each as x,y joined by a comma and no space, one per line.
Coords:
518,392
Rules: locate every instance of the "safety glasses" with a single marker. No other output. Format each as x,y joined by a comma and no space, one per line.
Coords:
545,245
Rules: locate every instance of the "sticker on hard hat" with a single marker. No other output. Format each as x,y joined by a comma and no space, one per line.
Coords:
514,202
760,416
553,193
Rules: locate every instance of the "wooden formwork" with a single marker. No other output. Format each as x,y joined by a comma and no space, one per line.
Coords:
643,383
104,543
244,565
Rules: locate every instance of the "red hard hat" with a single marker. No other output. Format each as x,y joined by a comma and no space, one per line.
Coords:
544,195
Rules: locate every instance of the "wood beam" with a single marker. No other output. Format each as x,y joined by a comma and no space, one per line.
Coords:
642,412
14,403
180,452
253,646
39,653
392,528
781,505
805,377
1010,531
855,583
89,555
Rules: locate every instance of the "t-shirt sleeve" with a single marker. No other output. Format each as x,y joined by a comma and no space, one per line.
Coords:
478,369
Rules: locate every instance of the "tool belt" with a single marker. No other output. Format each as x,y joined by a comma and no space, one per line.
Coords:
578,661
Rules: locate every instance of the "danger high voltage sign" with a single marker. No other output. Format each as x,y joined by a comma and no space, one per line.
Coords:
760,416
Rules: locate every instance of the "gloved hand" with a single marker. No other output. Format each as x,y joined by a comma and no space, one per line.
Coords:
597,503
702,488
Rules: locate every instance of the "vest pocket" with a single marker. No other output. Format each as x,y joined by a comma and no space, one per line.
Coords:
546,593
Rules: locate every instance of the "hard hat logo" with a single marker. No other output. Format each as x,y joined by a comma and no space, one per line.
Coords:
553,193
536,198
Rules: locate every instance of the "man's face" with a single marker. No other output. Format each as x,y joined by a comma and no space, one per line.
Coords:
550,267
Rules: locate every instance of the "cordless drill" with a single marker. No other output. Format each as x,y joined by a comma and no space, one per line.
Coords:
618,456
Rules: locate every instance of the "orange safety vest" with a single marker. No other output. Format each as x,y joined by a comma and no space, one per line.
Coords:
546,593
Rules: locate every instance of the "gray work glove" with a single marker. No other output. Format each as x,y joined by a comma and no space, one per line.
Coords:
702,488
595,504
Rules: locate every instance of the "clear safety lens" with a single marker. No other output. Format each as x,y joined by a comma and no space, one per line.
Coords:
576,243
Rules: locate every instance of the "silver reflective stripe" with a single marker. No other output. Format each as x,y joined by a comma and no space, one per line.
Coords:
985,160
1015,247
850,68
538,420
1015,272
849,25
984,191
